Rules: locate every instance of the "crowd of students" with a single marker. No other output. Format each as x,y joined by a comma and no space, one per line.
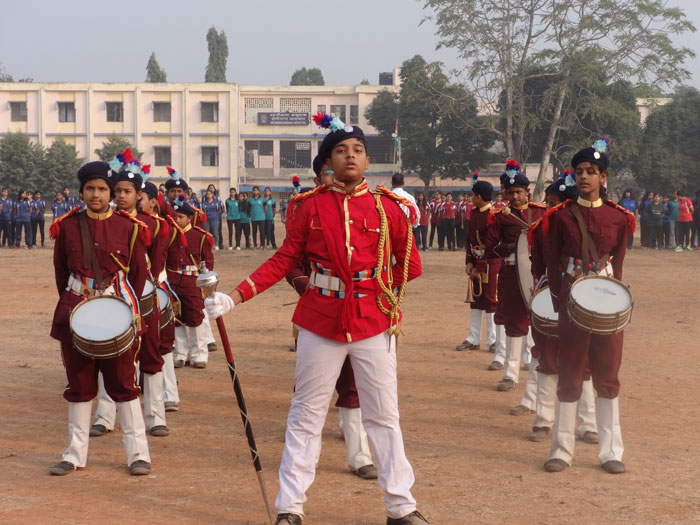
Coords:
669,221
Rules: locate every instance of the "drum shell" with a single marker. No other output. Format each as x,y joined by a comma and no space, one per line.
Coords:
166,312
545,326
148,302
105,348
594,322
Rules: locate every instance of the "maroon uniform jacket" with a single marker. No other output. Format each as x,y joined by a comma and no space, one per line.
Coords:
476,255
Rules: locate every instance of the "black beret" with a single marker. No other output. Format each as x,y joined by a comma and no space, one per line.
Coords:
127,176
97,170
317,165
176,183
561,190
599,158
180,206
335,137
518,181
150,189
483,189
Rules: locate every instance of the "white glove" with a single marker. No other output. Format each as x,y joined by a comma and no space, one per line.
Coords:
218,305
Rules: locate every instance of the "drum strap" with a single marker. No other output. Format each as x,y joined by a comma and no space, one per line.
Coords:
587,244
89,255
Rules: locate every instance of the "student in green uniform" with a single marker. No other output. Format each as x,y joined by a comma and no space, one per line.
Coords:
232,216
257,217
243,225
270,210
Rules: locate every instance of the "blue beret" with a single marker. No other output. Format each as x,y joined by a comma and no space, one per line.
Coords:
519,181
317,165
568,192
127,176
483,189
599,158
96,170
150,189
180,206
334,137
176,183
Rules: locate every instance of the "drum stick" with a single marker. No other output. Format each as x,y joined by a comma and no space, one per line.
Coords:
244,415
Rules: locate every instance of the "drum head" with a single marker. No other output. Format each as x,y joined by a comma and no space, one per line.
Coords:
147,288
542,305
524,268
601,295
163,298
101,318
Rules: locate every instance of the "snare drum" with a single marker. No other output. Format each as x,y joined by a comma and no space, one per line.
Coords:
103,327
600,305
166,308
148,298
543,317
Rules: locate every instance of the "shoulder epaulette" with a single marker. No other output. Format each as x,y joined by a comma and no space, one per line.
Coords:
301,197
176,229
161,224
144,232
531,231
631,222
55,227
383,190
200,214
552,211
491,218
537,205
206,233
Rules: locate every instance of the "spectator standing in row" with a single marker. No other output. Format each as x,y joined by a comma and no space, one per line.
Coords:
70,199
6,238
630,205
213,189
448,222
59,206
644,231
685,219
666,228
673,212
211,206
232,215
23,217
257,217
435,206
421,231
655,216
460,234
38,206
695,236
243,221
270,210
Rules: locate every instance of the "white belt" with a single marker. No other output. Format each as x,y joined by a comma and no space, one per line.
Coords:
82,289
327,282
479,252
606,271
163,276
510,258
190,268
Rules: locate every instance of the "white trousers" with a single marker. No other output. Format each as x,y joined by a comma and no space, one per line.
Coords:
500,355
318,364
170,392
530,397
511,363
607,413
206,330
528,343
356,444
78,433
475,319
153,405
134,431
585,413
106,412
191,343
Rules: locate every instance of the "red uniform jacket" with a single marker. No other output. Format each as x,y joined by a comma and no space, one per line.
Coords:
538,250
449,210
158,250
609,225
115,236
476,238
506,227
328,222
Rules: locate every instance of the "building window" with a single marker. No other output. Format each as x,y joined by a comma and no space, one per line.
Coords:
115,112
18,111
66,111
210,155
161,112
380,149
258,154
210,112
354,114
253,106
338,111
163,155
295,105
295,154
321,108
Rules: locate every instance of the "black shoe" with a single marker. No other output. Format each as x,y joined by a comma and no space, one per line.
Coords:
288,519
614,467
555,465
414,518
159,431
98,430
211,347
366,472
140,468
62,468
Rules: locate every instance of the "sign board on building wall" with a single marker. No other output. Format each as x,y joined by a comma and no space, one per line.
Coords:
283,119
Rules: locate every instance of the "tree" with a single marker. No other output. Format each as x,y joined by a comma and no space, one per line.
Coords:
154,73
60,165
438,125
502,40
113,145
668,152
218,54
364,82
20,162
4,75
307,77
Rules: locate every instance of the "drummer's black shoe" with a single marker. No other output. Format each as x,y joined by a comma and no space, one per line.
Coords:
614,467
495,365
159,431
62,468
178,363
98,430
414,518
505,385
140,468
199,364
590,437
539,434
492,348
211,347
555,465
288,519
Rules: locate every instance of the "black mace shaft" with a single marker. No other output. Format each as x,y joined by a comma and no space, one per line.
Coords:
244,415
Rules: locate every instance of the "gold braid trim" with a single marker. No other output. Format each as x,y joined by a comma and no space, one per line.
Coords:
387,293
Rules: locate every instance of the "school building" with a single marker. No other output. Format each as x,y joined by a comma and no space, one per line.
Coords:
228,134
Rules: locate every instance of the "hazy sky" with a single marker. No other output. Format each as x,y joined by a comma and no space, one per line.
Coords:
80,40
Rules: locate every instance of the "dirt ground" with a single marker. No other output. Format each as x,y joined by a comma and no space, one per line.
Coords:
472,460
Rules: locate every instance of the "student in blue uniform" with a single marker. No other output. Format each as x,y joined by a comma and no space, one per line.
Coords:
37,217
5,218
23,210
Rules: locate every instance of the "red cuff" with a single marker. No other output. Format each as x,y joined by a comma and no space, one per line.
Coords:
247,289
